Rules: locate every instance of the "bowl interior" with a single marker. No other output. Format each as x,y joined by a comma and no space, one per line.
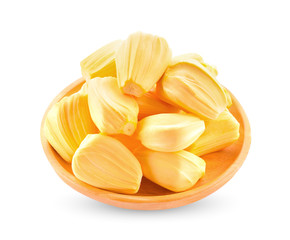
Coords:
220,167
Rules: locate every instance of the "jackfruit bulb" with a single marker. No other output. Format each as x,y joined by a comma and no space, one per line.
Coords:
211,69
169,132
104,162
189,85
112,111
218,134
101,63
176,171
141,60
68,123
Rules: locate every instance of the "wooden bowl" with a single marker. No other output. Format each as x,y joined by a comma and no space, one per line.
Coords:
220,168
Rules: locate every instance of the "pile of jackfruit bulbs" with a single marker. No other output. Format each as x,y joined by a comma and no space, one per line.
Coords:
142,112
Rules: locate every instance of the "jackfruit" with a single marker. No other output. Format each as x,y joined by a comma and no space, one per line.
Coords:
104,162
189,85
169,132
67,124
141,60
112,111
212,69
218,134
176,171
101,63
150,104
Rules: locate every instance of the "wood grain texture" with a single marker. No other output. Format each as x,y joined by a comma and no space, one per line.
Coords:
220,168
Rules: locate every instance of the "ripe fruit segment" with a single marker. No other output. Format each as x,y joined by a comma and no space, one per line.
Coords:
67,124
111,110
176,171
169,132
189,85
104,162
218,134
101,63
141,60
212,70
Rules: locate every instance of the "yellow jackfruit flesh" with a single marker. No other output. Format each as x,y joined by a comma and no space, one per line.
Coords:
142,112
104,162
150,104
169,132
218,134
176,171
67,124
141,60
210,68
101,63
112,111
189,85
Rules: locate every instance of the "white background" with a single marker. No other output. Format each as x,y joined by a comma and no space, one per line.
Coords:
42,43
